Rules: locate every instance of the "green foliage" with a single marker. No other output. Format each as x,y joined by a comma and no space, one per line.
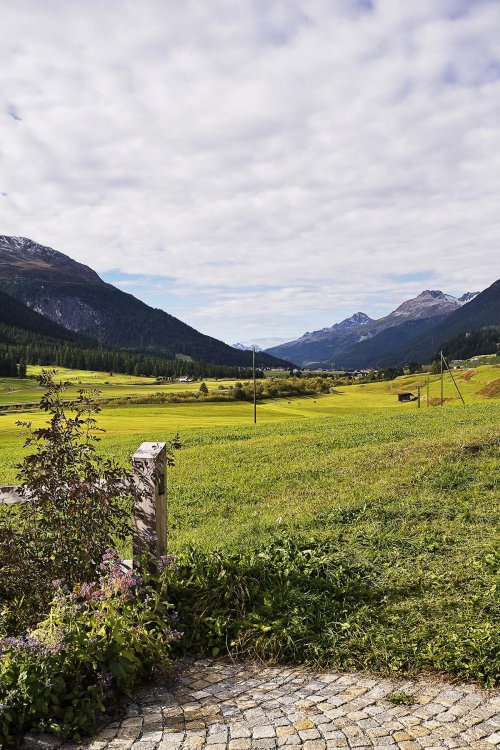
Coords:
402,699
414,367
95,644
472,343
411,498
77,505
320,602
203,388
287,600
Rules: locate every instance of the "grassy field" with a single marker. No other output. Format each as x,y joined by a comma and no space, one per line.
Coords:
355,397
128,425
20,390
412,496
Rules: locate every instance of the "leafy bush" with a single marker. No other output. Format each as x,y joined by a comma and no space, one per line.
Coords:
96,643
78,505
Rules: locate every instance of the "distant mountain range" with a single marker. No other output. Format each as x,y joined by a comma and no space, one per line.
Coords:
412,332
72,295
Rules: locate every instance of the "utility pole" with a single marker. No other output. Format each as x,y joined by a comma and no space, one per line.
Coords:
254,390
453,379
442,383
428,378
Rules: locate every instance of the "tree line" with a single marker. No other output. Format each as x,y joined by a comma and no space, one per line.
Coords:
472,344
19,348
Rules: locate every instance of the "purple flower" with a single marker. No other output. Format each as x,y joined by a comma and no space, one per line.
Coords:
29,644
167,561
174,635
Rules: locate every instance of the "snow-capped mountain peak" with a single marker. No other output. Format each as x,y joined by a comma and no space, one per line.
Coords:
245,348
467,297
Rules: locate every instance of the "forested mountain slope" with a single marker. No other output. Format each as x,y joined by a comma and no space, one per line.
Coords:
74,296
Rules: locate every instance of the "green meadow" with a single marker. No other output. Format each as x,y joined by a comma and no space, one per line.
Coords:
126,426
408,495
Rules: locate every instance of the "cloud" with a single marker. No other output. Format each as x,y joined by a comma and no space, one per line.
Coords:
280,164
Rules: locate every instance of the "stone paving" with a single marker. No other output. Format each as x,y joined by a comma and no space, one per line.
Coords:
220,705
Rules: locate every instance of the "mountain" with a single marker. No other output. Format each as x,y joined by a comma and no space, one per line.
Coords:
355,321
322,345
16,315
482,311
245,348
360,341
28,338
73,295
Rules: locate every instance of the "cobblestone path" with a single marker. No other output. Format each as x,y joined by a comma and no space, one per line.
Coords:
219,705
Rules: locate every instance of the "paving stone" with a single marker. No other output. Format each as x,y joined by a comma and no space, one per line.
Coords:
220,705
309,734
263,732
267,743
240,744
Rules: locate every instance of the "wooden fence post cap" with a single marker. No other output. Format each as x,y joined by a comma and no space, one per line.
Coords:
149,450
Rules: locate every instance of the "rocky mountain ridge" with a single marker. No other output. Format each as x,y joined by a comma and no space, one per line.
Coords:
337,344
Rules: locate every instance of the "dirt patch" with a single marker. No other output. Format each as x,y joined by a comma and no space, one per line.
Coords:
435,401
491,390
468,374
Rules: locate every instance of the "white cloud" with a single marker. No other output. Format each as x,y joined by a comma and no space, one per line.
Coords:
278,160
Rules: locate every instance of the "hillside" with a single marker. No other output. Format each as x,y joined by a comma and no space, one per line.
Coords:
74,296
31,339
485,341
14,314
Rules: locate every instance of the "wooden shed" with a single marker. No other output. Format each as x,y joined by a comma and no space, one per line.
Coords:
402,397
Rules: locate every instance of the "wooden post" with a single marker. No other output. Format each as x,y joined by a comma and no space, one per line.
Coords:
418,397
149,516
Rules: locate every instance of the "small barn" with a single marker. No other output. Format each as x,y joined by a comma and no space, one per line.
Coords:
402,397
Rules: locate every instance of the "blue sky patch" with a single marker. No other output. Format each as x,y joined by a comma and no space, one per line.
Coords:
12,112
412,276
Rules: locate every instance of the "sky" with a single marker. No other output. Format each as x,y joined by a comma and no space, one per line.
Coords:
257,168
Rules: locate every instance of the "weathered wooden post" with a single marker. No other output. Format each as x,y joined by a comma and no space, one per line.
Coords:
149,516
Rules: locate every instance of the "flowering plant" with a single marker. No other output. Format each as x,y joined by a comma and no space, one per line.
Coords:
79,504
98,640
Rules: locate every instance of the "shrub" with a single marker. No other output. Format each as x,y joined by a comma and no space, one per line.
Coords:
78,505
96,643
